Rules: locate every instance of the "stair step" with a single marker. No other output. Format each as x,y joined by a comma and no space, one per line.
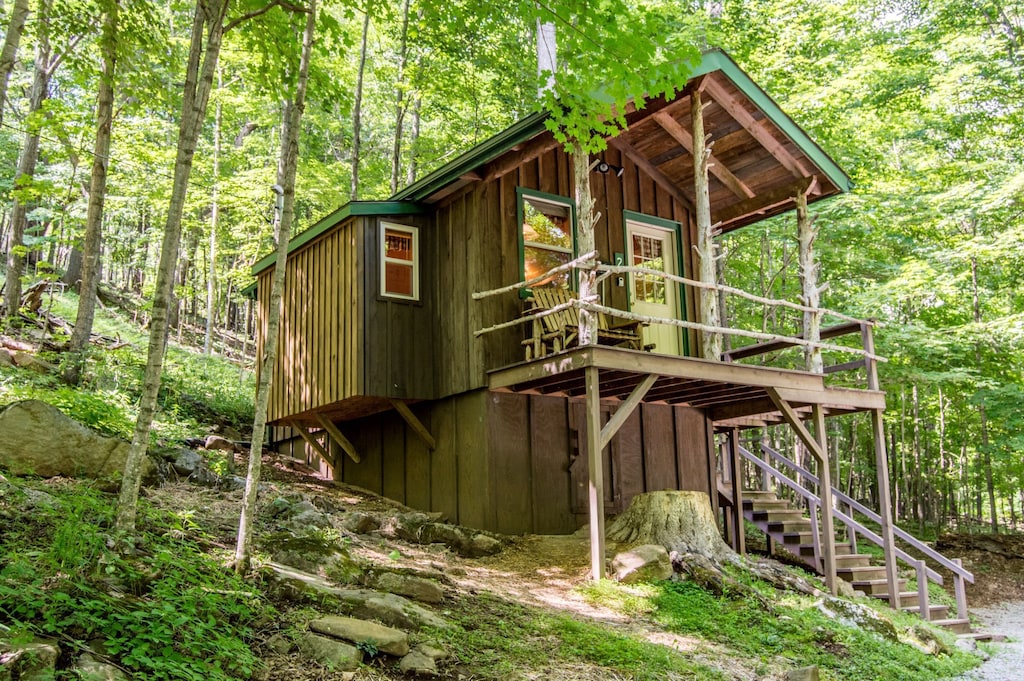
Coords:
774,514
875,587
984,636
860,572
907,598
841,550
765,504
760,494
798,524
935,612
852,560
957,626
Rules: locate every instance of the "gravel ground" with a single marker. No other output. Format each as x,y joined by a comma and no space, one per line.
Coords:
1007,663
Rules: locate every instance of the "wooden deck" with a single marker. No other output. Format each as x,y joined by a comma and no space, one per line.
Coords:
735,395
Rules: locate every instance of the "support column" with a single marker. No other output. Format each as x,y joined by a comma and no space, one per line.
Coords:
736,464
882,471
825,492
594,460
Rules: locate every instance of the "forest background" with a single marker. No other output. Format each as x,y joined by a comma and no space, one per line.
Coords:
921,102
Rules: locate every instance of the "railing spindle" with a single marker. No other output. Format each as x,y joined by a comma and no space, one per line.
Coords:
922,590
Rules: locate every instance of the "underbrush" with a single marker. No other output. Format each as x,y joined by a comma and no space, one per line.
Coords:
171,611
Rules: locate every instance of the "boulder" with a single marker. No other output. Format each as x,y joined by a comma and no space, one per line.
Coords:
280,644
418,664
5,358
433,652
40,440
216,442
645,563
385,639
416,588
466,543
185,462
861,616
360,523
33,660
91,669
329,652
399,612
27,360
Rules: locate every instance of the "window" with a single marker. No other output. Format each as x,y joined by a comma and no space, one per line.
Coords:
547,236
399,255
648,254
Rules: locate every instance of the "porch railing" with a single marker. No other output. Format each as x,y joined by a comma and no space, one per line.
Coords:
923,572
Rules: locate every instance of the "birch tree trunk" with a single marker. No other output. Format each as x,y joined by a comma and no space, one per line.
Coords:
807,233
211,277
286,182
27,163
414,138
9,54
97,195
585,221
986,455
711,342
396,150
357,110
202,63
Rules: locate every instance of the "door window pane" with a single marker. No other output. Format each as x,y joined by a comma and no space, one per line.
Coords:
547,239
648,253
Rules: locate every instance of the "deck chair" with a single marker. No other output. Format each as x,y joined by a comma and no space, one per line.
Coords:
560,330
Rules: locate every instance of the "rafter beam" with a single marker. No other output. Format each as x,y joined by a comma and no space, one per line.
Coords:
417,426
735,108
717,168
657,175
626,409
338,437
762,202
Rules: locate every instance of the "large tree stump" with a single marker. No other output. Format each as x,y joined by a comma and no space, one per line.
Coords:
680,521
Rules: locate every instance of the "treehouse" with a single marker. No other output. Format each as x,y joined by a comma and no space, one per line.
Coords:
438,349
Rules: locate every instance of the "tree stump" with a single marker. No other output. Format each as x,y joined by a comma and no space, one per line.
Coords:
680,521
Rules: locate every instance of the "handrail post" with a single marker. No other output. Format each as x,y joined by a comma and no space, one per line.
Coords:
815,534
922,591
739,544
960,590
851,533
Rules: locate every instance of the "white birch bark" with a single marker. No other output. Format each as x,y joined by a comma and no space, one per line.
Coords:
357,111
711,342
211,277
286,181
585,220
807,233
9,54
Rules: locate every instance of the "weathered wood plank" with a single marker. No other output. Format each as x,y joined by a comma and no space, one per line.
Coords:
627,456
509,491
659,448
393,457
339,438
549,465
414,423
443,462
417,464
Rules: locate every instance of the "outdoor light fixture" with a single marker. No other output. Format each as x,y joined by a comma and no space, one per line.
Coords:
604,168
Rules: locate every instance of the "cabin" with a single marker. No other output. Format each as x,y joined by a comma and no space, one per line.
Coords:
428,349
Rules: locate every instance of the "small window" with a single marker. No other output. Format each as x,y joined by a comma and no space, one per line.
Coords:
547,237
399,272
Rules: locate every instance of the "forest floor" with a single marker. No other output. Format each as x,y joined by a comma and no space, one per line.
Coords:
1007,661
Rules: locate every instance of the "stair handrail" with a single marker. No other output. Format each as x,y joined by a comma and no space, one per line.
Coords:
842,517
874,517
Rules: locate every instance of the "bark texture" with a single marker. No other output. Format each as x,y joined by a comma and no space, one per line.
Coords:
357,110
681,521
807,234
9,54
711,341
585,221
286,180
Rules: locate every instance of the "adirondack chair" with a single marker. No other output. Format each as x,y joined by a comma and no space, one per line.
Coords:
560,330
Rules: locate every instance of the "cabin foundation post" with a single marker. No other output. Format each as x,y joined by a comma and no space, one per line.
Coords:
593,407
882,471
736,466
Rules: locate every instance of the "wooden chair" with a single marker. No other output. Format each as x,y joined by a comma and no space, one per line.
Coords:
560,330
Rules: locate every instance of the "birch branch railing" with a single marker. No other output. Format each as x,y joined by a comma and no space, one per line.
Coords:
589,261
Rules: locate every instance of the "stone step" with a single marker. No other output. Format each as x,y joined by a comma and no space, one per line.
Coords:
935,612
957,626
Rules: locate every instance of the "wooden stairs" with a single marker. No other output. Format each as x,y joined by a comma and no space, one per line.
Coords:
792,531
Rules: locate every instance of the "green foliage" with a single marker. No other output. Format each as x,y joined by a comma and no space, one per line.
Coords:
169,612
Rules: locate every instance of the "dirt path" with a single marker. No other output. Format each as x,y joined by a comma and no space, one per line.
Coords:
1007,663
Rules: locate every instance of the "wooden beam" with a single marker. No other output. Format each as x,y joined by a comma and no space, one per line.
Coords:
762,202
825,492
793,419
717,168
417,426
735,108
338,437
641,162
312,442
596,464
626,409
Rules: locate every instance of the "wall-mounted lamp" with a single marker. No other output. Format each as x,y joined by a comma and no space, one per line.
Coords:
604,168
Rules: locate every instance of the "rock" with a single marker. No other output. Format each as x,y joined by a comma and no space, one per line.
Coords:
26,360
481,545
802,674
204,477
40,440
925,640
645,563
186,462
416,588
91,669
858,615
970,645
5,358
329,652
845,590
406,526
216,442
418,664
30,661
279,506
385,639
399,612
360,523
433,652
280,644
459,540
231,483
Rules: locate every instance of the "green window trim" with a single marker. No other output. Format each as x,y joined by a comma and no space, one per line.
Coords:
534,197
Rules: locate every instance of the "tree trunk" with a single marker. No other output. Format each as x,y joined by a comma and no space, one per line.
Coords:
97,194
9,54
711,341
202,63
414,139
27,163
681,521
396,150
982,416
807,233
587,278
357,110
286,181
211,277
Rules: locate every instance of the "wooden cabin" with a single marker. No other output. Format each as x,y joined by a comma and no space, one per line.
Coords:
382,374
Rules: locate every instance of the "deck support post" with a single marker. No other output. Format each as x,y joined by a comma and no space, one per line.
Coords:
816,445
736,467
417,426
626,409
594,448
312,442
882,471
339,438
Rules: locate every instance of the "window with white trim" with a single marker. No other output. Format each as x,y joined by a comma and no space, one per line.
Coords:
547,237
399,261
